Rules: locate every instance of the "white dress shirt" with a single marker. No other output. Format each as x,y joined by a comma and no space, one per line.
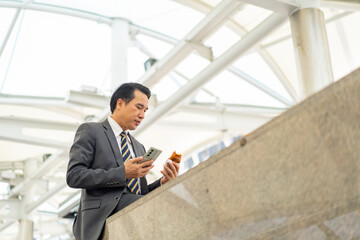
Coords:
117,130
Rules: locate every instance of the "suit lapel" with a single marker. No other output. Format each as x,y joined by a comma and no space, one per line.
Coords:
113,143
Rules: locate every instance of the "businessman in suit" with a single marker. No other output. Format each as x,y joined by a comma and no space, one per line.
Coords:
104,162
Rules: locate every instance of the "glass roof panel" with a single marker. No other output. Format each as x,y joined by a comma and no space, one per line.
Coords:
166,17
232,89
221,41
283,55
344,45
156,47
104,7
205,97
192,65
280,34
51,57
165,88
250,16
10,151
6,16
251,65
136,60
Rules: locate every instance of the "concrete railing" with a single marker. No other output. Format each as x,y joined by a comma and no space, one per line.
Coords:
297,177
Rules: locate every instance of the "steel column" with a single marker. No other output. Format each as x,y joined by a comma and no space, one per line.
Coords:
26,224
311,50
119,57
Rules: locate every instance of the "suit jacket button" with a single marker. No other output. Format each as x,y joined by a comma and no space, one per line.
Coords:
117,198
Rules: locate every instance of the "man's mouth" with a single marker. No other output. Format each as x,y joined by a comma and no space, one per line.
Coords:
137,122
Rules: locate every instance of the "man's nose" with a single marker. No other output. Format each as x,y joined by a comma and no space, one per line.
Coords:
142,114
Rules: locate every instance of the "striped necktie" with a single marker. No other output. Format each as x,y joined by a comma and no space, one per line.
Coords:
132,183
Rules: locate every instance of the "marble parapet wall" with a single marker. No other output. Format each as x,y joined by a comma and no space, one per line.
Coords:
296,177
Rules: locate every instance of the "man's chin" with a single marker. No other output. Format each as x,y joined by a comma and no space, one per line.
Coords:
133,127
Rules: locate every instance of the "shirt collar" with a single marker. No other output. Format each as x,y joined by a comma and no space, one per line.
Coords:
116,128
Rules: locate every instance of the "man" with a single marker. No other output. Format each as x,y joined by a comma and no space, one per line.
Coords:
104,162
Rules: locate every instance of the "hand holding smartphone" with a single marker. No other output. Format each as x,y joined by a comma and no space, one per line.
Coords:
151,154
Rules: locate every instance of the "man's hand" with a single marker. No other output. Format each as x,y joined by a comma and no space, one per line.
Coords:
135,170
170,171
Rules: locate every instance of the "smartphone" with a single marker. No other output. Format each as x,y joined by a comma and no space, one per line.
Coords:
151,154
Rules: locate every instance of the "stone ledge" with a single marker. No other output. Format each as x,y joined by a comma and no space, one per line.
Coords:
296,177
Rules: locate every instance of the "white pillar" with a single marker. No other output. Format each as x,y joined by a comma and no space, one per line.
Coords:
26,224
26,229
311,50
119,48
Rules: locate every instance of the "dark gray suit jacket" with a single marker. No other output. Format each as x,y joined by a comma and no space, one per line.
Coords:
96,166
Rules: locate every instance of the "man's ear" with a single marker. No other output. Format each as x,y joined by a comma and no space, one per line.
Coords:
120,103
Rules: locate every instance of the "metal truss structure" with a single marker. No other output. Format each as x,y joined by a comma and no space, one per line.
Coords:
293,39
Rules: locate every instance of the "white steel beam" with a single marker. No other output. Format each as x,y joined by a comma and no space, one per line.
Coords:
11,130
351,6
273,5
33,140
284,38
200,6
234,121
6,225
234,109
73,98
11,165
52,162
43,198
203,89
87,99
226,121
69,204
45,7
19,123
218,65
32,101
214,20
143,49
136,29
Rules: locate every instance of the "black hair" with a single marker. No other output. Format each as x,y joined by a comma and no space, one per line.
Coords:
126,93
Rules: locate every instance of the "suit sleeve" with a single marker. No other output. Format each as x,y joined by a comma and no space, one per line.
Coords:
154,185
80,173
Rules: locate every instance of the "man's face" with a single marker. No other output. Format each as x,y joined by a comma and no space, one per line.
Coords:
130,115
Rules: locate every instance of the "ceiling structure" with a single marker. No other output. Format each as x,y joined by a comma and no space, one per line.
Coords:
217,70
